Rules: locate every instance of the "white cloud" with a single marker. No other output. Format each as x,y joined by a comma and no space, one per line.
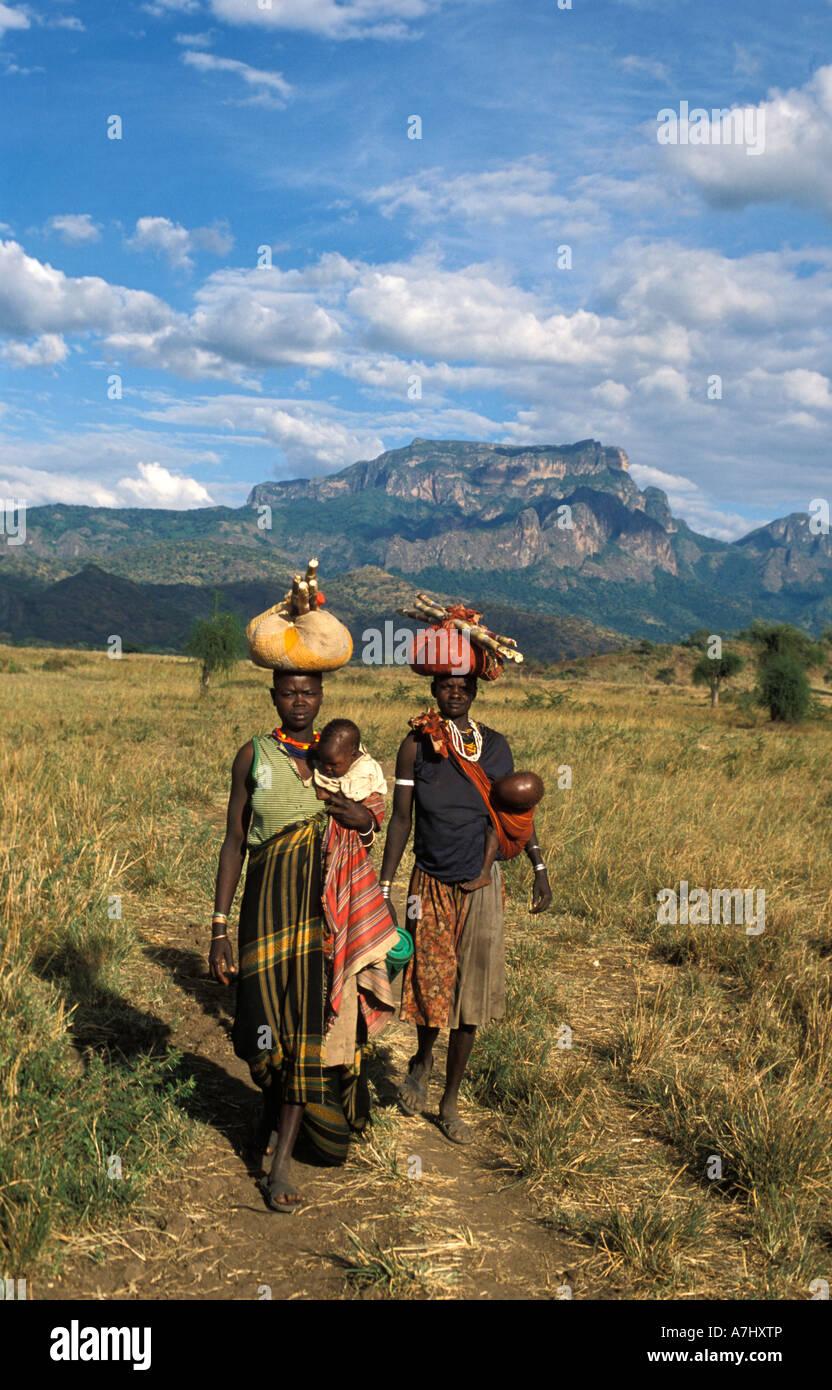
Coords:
632,62
347,19
612,393
155,486
808,388
99,469
267,83
194,40
46,351
243,319
35,298
745,63
511,195
12,19
664,381
75,228
631,367
175,242
794,167
163,8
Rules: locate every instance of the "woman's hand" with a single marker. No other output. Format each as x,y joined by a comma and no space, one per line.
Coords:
541,893
351,814
221,961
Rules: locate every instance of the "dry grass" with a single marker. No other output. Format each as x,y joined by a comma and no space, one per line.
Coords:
716,1042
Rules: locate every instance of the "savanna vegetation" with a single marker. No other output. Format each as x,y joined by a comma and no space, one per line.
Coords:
661,1091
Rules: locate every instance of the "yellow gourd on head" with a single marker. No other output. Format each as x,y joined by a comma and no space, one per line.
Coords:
296,635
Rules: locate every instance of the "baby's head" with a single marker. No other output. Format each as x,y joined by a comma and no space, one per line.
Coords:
338,747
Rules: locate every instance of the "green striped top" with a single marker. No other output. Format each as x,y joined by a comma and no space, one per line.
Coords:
278,796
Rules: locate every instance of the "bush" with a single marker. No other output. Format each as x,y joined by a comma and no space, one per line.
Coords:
666,675
784,688
698,639
58,663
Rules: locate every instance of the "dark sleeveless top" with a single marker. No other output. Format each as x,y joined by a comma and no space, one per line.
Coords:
451,817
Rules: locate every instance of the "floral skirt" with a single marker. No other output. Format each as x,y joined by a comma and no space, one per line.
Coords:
457,973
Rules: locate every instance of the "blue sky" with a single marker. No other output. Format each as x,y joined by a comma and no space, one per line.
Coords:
418,287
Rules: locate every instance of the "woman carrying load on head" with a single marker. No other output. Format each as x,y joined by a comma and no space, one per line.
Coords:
303,1046
446,769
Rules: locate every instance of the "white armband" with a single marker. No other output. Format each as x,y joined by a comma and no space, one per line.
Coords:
404,782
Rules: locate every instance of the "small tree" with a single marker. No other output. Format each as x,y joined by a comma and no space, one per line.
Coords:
698,639
218,643
784,688
712,671
783,639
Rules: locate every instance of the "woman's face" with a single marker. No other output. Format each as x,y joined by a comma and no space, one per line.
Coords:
454,695
297,700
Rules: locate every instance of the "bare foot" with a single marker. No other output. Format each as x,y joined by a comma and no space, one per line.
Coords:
472,883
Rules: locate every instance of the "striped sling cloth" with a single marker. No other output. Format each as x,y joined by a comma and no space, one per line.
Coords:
358,917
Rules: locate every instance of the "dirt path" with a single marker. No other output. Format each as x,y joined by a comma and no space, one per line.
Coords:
463,1228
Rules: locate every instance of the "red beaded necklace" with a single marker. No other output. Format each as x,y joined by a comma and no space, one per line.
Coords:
287,738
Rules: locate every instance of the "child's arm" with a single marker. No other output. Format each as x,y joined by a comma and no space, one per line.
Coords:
484,877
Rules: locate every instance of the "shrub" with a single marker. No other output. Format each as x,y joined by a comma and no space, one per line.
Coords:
784,688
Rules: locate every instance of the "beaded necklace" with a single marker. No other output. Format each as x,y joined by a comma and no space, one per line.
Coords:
462,741
296,743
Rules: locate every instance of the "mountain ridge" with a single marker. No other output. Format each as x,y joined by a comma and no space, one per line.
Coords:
561,530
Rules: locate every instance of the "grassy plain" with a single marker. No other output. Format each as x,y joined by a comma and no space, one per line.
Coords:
662,1091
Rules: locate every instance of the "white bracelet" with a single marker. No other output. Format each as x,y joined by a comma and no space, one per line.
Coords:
540,868
404,782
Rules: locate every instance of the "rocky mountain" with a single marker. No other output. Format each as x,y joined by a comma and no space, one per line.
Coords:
558,539
460,505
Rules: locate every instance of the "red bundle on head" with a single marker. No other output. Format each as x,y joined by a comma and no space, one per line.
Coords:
456,643
441,651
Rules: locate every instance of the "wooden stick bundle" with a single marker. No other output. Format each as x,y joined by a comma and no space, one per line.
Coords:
424,607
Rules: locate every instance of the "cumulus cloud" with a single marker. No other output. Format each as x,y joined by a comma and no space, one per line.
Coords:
11,18
176,243
268,85
156,486
100,469
794,165
243,319
74,228
36,298
46,351
631,365
332,19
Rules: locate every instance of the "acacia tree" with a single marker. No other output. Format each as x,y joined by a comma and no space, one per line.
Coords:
217,643
712,671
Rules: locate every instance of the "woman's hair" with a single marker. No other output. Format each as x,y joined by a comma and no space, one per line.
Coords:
277,675
470,682
340,729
